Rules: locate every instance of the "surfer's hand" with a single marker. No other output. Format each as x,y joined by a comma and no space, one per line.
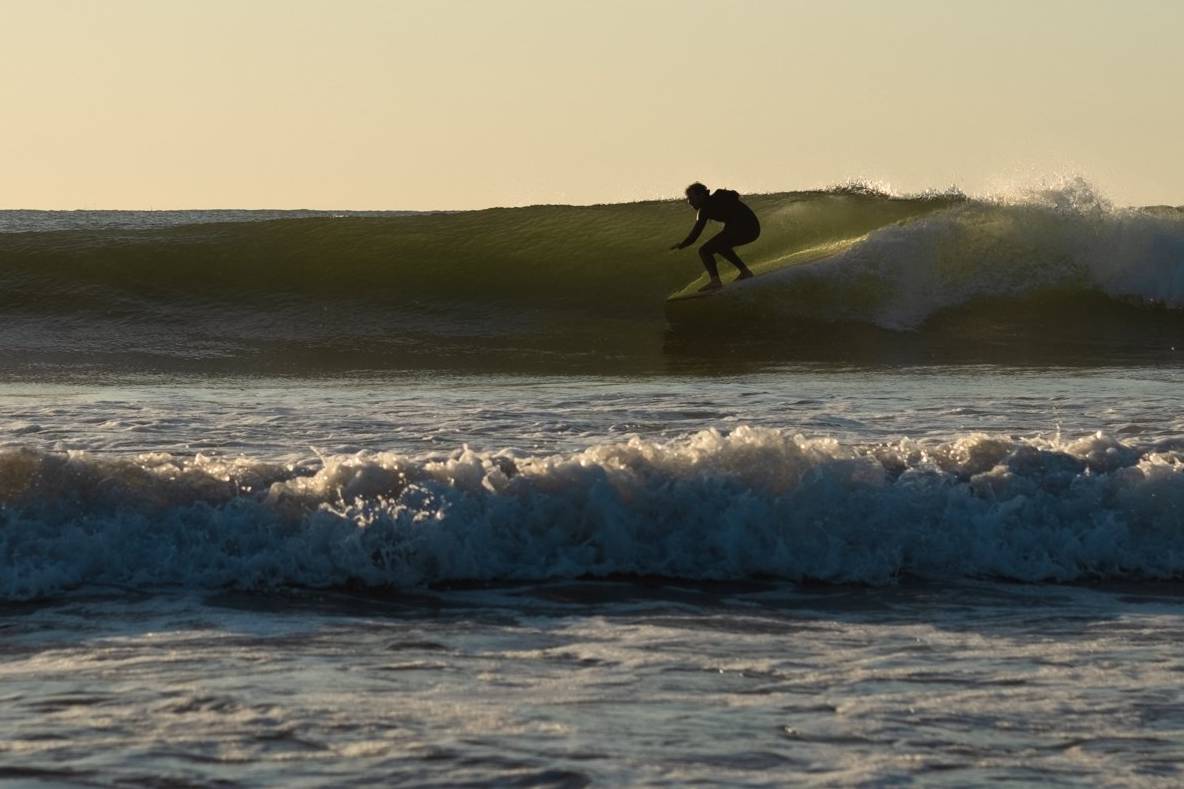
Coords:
676,246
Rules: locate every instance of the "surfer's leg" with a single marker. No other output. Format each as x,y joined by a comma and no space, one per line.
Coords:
732,237
707,255
735,260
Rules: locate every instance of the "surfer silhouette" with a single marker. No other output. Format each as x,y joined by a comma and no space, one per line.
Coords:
740,227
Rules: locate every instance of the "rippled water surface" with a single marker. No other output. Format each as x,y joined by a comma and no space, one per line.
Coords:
419,412
613,682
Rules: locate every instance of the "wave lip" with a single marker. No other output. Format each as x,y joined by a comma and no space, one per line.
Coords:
712,506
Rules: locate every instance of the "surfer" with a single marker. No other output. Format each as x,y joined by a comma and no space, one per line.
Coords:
740,227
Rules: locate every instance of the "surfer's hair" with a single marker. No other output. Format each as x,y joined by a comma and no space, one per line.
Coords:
696,188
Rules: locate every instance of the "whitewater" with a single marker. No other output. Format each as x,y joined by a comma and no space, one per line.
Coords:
353,498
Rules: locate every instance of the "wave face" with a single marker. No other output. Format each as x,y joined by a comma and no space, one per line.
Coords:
747,504
558,284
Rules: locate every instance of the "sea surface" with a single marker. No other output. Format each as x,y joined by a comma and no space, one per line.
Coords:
391,498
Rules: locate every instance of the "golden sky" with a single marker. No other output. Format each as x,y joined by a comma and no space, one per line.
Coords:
423,104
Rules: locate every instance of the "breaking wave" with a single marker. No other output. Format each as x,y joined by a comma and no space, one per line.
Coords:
749,503
562,285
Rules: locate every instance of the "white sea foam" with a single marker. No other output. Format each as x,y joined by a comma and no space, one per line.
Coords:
752,502
1067,238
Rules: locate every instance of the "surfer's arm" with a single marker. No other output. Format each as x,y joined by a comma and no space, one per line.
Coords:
700,223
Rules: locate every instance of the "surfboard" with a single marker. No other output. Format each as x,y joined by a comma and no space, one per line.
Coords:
692,291
734,286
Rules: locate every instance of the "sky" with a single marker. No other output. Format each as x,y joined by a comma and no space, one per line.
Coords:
455,104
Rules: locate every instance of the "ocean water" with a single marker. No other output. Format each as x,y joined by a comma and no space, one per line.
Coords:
313,499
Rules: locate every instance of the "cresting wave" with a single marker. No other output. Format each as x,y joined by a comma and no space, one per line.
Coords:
546,285
749,503
907,274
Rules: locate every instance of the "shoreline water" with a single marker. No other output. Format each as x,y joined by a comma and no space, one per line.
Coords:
626,682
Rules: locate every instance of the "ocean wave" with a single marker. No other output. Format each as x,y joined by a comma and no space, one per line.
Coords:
910,274
544,284
744,504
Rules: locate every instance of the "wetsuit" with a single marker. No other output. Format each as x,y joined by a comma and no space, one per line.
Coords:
740,227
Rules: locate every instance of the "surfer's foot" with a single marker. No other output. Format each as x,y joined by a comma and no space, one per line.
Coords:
714,284
745,274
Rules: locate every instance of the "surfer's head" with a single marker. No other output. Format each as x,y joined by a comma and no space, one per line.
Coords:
697,195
